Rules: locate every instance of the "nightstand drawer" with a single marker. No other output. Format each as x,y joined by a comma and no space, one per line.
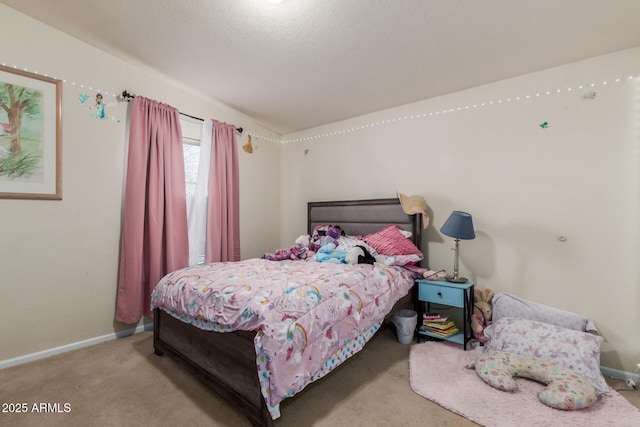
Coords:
441,294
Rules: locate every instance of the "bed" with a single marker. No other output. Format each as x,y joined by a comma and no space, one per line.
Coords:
231,362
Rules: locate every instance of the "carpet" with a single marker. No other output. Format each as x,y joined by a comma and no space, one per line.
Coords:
438,373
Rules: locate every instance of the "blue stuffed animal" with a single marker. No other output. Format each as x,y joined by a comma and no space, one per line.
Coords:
329,253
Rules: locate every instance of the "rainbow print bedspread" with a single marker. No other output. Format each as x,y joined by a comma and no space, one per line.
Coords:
309,316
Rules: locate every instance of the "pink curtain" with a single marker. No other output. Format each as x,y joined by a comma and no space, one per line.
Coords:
154,232
223,217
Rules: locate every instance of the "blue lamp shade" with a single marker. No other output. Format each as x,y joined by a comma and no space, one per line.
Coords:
459,225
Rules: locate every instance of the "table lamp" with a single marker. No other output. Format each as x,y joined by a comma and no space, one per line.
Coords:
459,225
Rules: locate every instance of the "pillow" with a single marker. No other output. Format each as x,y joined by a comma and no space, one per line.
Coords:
401,260
576,350
507,305
406,234
565,389
390,241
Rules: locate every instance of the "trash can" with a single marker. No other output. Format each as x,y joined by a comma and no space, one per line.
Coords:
405,321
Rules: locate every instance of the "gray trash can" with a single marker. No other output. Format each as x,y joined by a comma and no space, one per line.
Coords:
405,321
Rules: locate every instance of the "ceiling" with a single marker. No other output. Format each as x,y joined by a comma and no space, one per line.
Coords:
298,64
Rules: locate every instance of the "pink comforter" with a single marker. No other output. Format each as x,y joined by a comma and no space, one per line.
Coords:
310,317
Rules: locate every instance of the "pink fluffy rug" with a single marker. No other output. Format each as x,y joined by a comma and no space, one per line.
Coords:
438,373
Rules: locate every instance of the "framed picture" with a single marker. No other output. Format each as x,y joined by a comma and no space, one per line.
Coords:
30,135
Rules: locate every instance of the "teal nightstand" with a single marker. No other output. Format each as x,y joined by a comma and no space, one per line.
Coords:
446,293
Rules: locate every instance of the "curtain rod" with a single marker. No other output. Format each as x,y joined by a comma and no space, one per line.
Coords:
126,96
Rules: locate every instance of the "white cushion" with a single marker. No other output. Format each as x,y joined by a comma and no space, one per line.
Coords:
576,350
507,305
565,389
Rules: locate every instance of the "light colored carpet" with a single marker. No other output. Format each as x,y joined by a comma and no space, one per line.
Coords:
122,383
438,373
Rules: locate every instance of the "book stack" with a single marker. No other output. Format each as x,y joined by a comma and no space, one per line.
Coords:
438,325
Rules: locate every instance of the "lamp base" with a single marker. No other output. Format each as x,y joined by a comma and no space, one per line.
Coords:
457,279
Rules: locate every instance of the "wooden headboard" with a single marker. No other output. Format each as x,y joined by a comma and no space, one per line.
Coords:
362,217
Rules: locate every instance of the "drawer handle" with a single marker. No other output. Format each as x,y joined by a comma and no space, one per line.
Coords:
440,294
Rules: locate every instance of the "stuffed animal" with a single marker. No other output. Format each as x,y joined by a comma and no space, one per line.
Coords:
303,241
482,313
329,253
300,250
325,234
359,255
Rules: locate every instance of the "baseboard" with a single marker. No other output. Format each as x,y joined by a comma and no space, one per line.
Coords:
73,346
621,375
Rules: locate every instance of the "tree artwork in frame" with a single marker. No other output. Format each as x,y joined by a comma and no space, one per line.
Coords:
30,135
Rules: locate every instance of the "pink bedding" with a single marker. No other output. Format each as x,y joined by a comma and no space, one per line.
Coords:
309,317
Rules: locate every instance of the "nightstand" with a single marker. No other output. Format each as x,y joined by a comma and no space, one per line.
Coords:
446,293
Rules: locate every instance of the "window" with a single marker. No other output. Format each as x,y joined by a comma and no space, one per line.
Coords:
191,150
191,130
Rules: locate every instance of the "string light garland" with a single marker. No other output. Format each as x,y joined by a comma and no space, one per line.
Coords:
257,136
383,122
488,103
63,80
115,95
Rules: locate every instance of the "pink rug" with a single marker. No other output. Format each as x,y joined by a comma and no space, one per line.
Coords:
438,373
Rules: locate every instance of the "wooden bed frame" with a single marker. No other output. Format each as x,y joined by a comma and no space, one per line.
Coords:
226,362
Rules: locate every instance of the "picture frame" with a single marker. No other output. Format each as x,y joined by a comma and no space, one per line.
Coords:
30,156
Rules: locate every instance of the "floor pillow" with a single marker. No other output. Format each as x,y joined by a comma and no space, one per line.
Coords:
566,389
576,350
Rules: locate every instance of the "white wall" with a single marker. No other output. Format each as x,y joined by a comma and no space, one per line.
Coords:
59,259
524,185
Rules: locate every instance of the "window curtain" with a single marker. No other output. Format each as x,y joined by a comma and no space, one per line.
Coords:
223,209
214,218
154,232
